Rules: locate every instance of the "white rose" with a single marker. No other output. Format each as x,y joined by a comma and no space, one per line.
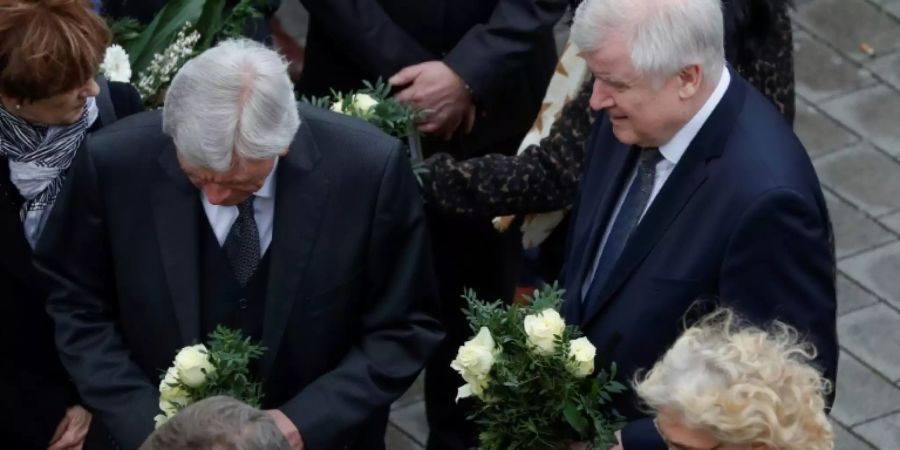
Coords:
582,354
159,420
364,102
170,381
115,65
192,364
542,330
476,357
338,107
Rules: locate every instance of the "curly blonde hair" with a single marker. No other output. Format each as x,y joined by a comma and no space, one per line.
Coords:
742,384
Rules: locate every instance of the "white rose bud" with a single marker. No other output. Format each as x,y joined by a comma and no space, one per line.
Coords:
364,102
193,365
476,357
581,353
338,107
542,330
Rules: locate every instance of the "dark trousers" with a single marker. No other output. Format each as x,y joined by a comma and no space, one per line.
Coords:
469,254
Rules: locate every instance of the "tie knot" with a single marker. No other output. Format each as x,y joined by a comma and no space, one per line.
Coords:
649,156
246,207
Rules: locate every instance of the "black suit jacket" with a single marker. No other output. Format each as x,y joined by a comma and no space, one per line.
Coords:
34,388
741,218
347,320
503,49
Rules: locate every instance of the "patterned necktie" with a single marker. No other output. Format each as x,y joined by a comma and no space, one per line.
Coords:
242,243
633,206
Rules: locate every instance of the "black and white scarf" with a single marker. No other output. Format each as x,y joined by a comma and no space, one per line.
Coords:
38,159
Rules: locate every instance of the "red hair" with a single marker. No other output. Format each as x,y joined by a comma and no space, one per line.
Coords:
48,47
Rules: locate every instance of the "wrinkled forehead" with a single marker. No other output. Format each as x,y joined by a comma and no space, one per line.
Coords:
612,57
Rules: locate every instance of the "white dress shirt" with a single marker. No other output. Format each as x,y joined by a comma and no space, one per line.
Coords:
221,218
672,152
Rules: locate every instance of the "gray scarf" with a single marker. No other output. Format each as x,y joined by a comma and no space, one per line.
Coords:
38,159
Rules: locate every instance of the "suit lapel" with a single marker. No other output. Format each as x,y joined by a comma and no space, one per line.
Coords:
608,172
176,208
688,175
300,195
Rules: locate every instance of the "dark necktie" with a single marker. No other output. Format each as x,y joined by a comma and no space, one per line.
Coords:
242,243
633,206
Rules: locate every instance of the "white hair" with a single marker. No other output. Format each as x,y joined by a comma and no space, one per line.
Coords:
665,36
742,384
233,98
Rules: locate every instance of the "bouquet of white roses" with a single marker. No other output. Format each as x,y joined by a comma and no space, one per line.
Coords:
199,372
531,377
376,105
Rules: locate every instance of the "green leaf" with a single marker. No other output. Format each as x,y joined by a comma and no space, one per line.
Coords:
210,22
575,418
162,30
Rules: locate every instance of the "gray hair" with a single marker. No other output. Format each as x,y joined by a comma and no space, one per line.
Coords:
233,98
665,36
218,423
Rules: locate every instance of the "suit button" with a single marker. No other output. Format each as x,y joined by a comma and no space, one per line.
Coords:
242,303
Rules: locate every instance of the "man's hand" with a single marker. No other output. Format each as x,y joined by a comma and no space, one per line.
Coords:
72,430
436,89
288,429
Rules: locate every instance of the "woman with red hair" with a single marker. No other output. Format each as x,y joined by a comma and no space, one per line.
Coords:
50,51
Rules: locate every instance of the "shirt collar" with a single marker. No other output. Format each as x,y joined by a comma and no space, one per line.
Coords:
268,188
675,148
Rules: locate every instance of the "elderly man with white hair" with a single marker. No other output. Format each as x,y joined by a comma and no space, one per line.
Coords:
694,186
234,206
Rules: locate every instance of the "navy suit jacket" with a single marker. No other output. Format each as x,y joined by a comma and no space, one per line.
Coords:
741,219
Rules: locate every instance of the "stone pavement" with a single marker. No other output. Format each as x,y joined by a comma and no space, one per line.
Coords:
848,115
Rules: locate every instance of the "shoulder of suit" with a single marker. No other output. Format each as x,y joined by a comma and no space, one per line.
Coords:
328,125
136,134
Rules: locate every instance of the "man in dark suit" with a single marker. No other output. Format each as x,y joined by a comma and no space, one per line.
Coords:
480,68
694,187
309,237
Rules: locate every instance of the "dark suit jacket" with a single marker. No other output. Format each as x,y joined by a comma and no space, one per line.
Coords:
34,388
503,49
741,218
347,322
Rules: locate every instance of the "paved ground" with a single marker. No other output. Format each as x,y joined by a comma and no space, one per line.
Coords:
848,115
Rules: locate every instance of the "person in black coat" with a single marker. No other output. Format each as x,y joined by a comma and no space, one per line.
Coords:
306,236
480,69
47,105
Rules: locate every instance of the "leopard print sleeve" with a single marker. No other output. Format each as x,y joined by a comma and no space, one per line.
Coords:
543,177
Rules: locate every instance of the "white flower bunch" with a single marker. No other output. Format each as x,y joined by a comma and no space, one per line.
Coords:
191,367
164,65
115,65
531,377
360,105
474,361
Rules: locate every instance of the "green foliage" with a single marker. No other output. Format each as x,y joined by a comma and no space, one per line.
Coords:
230,353
533,401
124,30
389,115
211,18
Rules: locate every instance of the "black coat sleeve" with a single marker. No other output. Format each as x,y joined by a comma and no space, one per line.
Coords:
125,99
74,253
398,331
543,178
490,52
365,32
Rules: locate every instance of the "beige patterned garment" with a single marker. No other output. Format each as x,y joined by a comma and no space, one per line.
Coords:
571,72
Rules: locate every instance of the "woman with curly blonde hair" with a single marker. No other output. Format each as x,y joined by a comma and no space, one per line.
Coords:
724,385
